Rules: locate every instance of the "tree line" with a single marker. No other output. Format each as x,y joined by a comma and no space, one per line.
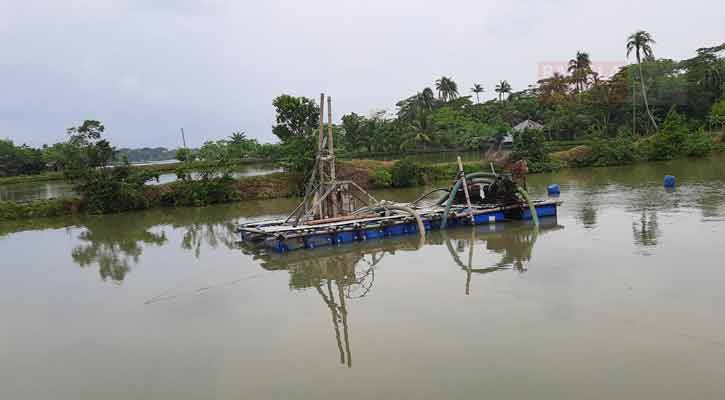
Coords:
26,160
576,104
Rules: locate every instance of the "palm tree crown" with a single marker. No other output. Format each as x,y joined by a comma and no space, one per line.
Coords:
554,86
238,137
477,89
580,69
447,88
501,88
641,43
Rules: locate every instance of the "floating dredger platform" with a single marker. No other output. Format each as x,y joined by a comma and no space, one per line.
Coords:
334,212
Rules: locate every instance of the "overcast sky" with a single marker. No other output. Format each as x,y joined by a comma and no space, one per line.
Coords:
148,67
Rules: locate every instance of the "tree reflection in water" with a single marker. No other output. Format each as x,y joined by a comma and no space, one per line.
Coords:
113,247
116,242
646,229
209,233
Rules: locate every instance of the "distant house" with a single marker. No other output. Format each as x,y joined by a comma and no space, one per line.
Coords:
507,139
528,124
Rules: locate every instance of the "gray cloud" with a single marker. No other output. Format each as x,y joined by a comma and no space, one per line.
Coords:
146,68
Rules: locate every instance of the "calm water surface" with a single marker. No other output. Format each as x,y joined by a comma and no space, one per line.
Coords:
620,297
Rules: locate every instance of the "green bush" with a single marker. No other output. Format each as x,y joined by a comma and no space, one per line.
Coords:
675,140
530,145
199,192
669,142
382,178
405,173
619,150
699,144
110,190
10,210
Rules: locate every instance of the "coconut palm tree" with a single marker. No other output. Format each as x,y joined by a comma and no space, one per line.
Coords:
501,88
554,87
477,88
447,89
427,99
419,131
641,43
238,137
580,68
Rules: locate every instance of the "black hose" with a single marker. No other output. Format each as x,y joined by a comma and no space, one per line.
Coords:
428,194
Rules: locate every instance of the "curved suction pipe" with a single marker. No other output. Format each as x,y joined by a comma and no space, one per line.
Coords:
532,208
454,190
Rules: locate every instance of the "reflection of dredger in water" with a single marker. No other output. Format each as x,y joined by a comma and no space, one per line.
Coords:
347,273
338,276
515,242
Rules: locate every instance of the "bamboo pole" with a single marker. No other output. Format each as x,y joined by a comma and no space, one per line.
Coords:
330,141
319,149
331,160
465,190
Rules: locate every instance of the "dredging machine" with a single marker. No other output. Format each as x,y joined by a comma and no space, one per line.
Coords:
335,212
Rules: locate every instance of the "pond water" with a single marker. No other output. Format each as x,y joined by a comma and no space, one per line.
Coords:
35,190
58,189
621,296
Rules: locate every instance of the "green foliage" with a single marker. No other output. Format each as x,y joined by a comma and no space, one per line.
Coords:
146,154
185,155
19,160
447,89
85,152
619,150
296,117
355,132
297,122
382,178
10,210
699,144
405,173
670,142
114,190
675,139
216,162
199,192
503,87
717,114
299,154
103,189
530,145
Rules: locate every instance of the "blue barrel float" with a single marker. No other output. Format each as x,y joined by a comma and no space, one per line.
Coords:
670,181
553,189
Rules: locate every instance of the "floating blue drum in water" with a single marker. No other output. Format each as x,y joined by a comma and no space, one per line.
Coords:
553,189
670,181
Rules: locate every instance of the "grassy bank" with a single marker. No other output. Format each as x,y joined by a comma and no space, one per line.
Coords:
44,177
